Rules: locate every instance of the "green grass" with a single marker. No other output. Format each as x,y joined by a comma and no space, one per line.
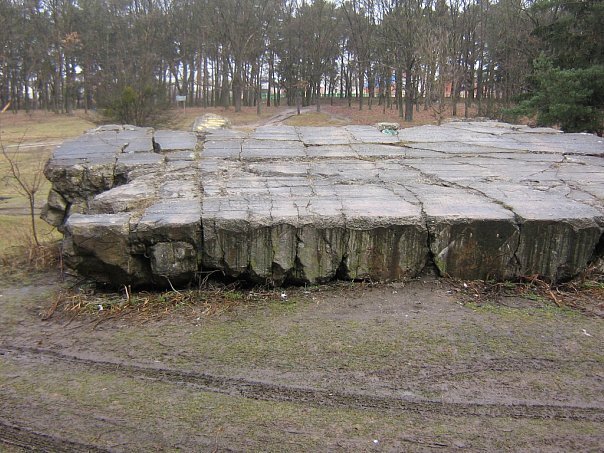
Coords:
544,309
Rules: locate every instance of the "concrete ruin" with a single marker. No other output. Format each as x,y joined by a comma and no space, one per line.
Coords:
282,204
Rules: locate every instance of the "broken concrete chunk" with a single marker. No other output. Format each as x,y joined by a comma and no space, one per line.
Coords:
131,166
102,249
390,126
52,216
56,201
127,198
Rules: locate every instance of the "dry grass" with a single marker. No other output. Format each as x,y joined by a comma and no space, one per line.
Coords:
337,114
210,301
378,114
43,126
315,119
15,233
21,134
30,161
22,261
584,293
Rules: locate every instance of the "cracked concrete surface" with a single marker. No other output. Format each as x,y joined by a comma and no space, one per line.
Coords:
285,204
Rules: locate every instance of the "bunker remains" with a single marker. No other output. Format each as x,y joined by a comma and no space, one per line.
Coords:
282,204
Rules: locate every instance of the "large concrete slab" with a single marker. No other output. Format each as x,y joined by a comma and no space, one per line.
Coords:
283,204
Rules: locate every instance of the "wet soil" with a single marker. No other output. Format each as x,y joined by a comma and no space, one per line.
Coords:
353,367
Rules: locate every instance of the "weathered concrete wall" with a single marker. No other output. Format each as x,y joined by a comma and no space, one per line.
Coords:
306,205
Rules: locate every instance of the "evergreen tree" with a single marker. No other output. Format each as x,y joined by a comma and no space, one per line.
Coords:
567,84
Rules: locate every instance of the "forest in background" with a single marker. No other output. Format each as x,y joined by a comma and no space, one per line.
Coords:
130,58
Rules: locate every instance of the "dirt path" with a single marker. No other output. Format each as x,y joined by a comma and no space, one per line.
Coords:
33,146
347,367
275,120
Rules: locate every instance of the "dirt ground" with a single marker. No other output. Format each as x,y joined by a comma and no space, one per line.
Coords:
427,364
410,366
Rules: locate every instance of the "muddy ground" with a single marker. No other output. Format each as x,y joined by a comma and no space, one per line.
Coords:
352,367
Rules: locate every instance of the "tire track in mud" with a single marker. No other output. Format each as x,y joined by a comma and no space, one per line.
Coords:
31,440
312,396
506,364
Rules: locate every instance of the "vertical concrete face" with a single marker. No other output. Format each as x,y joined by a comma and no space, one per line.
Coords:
176,262
98,246
280,204
558,235
385,253
557,250
484,249
469,231
319,253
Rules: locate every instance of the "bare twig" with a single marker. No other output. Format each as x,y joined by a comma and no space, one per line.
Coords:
27,186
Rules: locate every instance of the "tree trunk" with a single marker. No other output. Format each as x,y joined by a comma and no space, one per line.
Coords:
271,75
399,91
224,97
361,87
32,213
298,101
205,88
454,95
408,95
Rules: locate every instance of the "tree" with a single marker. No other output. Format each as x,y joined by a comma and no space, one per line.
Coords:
401,33
359,16
571,31
566,87
25,183
570,98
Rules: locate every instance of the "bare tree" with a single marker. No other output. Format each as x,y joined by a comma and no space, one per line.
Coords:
27,184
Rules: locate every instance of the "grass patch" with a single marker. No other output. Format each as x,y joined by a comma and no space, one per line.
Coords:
18,254
24,261
42,125
15,234
288,337
256,328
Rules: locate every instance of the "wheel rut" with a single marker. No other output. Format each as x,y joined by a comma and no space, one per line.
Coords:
312,396
35,441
